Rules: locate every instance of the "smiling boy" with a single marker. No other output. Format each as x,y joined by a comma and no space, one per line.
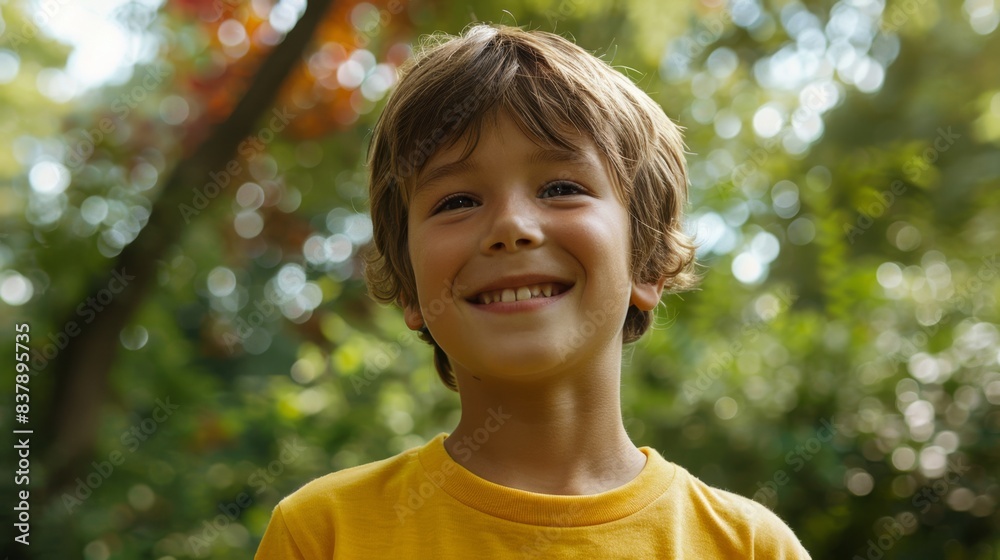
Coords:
527,202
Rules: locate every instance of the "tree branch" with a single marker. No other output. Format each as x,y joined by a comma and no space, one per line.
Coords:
82,369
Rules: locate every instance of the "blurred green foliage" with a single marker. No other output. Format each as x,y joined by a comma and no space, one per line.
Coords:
844,189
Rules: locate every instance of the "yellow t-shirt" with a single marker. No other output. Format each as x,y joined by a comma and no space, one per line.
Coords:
421,504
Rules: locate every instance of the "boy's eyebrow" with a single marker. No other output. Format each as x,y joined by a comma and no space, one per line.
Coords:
445,170
539,156
560,155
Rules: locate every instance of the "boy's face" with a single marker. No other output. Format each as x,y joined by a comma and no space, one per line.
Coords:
512,222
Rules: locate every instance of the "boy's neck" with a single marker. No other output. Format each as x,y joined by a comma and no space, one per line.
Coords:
564,437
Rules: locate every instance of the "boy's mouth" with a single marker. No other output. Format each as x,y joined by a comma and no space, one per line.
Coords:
521,293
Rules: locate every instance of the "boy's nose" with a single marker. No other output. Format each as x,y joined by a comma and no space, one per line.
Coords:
514,226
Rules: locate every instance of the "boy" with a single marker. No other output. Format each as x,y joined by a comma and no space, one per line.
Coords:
526,201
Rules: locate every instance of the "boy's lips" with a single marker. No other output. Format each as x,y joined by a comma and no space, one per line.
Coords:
522,293
518,306
518,288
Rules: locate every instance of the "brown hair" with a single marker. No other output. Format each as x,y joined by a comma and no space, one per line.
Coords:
549,86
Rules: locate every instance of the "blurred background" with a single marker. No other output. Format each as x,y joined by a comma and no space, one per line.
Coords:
183,201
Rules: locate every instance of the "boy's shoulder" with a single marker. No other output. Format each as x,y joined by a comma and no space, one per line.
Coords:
739,515
357,481
304,522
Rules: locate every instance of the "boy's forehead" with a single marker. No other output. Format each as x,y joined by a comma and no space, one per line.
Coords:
452,163
460,155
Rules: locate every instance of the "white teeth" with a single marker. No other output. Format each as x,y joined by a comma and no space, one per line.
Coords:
519,294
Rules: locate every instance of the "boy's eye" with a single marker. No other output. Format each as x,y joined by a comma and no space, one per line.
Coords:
561,188
453,202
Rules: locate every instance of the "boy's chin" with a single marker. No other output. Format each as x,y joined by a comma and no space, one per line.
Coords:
503,367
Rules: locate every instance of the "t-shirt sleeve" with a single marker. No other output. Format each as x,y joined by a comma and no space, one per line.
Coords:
278,543
773,539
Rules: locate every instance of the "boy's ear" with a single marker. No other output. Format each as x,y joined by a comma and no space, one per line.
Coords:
646,296
411,315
